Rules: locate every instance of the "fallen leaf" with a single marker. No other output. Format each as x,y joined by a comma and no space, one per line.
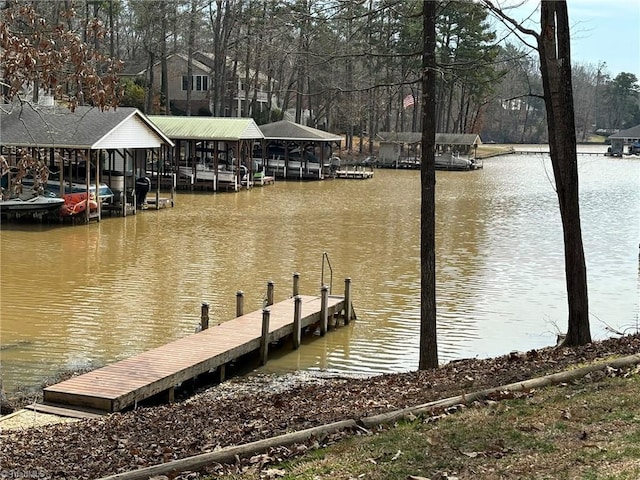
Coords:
275,472
472,454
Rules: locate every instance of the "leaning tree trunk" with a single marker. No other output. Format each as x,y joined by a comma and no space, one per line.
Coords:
555,65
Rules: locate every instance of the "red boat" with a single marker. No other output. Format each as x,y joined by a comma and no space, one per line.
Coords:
75,203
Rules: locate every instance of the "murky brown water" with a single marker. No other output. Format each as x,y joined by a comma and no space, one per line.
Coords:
88,295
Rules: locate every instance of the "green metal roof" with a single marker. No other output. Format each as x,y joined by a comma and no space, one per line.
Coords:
207,128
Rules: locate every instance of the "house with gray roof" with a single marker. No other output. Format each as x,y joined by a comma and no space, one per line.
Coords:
116,145
393,145
292,150
203,75
629,138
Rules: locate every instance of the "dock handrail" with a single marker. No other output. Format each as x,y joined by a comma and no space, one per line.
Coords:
325,256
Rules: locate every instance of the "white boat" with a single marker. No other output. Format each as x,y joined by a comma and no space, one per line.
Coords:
203,172
53,186
294,168
453,161
38,203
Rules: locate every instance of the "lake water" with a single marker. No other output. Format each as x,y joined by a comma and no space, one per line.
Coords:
84,296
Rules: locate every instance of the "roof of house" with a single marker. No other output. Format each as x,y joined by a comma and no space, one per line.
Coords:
133,68
85,128
184,58
208,59
286,130
631,133
207,128
441,138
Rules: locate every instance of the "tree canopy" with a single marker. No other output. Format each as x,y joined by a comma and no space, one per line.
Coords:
340,66
48,50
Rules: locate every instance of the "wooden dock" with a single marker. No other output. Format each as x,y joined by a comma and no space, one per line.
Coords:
357,174
123,384
546,152
264,180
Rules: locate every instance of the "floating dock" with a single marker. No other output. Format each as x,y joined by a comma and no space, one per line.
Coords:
357,174
123,384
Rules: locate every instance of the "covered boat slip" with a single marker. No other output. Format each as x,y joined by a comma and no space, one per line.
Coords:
454,151
127,382
223,153
294,151
83,147
211,152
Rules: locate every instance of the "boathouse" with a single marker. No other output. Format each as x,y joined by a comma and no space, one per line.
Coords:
295,151
211,152
629,138
99,149
395,145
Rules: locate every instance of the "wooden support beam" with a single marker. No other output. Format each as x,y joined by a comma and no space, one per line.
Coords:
324,319
204,316
171,394
264,339
270,288
347,300
296,284
297,313
239,303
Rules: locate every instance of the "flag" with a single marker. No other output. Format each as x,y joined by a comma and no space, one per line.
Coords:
408,101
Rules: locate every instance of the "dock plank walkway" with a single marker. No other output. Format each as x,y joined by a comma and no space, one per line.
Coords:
354,174
122,384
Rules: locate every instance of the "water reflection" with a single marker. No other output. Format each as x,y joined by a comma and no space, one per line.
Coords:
85,296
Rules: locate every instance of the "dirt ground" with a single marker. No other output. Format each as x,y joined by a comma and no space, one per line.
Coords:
257,407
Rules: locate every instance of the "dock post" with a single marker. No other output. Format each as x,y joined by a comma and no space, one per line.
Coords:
324,300
347,300
297,315
296,284
270,292
264,340
171,394
239,303
204,316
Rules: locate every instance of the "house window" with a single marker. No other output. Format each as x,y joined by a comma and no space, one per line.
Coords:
200,83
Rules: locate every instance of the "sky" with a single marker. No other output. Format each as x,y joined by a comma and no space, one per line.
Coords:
601,31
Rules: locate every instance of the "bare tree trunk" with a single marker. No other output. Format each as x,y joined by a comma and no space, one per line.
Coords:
190,49
555,64
112,31
428,337
164,68
257,84
149,105
247,62
222,23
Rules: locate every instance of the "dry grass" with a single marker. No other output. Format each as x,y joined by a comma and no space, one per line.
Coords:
586,430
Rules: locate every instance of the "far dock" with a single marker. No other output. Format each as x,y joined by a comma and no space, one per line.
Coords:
357,173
